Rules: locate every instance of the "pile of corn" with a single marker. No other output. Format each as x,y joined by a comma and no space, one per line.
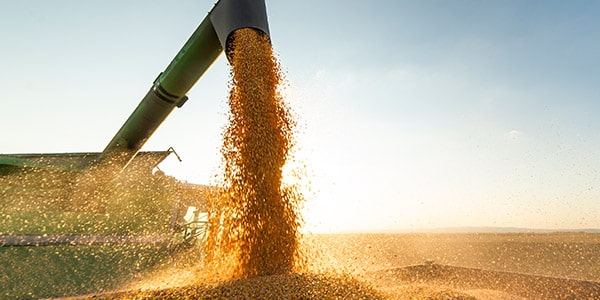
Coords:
253,218
289,286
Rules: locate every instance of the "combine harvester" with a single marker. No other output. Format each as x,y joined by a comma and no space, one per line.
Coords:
79,181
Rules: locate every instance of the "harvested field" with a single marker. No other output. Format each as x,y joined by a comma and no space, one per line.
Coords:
474,281
565,255
415,266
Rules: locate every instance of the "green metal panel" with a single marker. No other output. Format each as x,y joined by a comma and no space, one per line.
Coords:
73,161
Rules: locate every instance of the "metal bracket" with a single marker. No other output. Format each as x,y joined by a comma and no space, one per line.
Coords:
171,149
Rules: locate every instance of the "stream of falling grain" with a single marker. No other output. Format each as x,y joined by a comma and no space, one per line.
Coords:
253,218
252,249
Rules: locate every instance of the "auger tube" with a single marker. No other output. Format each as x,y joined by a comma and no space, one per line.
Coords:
191,62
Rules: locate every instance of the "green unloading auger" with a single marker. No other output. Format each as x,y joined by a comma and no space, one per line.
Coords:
171,86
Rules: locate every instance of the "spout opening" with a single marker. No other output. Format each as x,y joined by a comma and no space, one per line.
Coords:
230,45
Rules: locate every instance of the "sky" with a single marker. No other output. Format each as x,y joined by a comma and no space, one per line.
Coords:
412,114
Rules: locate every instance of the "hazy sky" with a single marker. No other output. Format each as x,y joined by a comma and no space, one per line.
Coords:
413,113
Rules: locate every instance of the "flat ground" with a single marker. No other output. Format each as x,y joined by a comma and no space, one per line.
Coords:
422,266
397,266
565,255
486,266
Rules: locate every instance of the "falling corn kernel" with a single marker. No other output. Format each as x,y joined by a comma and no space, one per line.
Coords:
254,220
